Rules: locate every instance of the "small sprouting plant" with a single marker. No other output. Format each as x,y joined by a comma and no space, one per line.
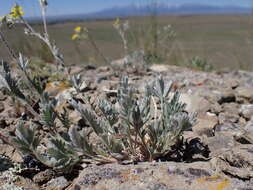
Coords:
137,127
133,129
200,64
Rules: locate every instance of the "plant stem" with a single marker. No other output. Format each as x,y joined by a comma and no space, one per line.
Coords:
96,48
10,50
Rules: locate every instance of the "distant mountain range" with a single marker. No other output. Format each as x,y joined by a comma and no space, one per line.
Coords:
187,9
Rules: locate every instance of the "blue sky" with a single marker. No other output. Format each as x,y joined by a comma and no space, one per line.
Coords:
61,7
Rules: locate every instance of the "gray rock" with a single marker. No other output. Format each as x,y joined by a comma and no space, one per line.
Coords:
226,96
228,127
237,162
249,126
215,108
153,176
246,110
44,176
232,108
225,117
205,125
159,68
58,183
245,92
220,143
195,103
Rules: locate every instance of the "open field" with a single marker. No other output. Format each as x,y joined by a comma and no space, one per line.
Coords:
223,40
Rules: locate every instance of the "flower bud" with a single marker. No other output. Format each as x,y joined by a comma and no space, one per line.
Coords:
43,3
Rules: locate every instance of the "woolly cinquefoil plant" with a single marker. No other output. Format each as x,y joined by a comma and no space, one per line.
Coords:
133,129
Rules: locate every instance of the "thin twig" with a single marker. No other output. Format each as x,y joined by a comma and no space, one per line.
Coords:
96,48
155,105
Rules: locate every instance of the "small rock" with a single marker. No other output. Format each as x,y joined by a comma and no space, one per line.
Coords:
205,125
228,127
215,108
225,117
76,70
237,162
75,117
159,68
232,108
11,152
245,92
195,103
44,176
233,83
226,96
220,143
58,183
249,126
246,110
103,69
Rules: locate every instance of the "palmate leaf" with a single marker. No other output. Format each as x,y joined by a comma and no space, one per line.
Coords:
90,116
174,105
99,126
35,82
145,105
63,156
80,142
25,139
11,82
64,118
76,82
108,111
113,144
48,114
160,89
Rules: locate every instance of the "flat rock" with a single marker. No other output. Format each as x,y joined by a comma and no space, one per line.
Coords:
237,162
220,143
228,128
153,176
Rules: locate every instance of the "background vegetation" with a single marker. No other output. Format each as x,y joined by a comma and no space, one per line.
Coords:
222,40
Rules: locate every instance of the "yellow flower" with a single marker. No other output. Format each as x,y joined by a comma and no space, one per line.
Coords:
78,29
75,36
117,22
16,12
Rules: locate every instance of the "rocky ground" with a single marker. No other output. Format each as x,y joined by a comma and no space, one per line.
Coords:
224,103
